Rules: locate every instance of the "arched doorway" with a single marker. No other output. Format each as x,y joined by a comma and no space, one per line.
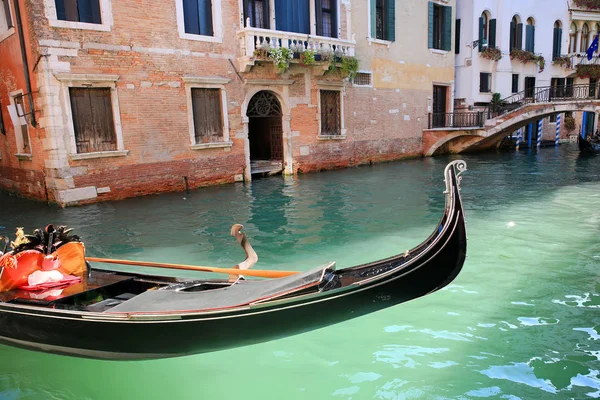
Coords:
265,133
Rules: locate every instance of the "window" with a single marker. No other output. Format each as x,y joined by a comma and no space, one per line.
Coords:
383,19
515,83
485,82
558,87
258,12
440,26
79,11
208,116
556,42
585,36
292,15
529,86
487,31
552,119
20,124
326,18
593,87
572,38
516,34
597,32
457,37
530,35
197,16
93,120
5,17
362,79
2,128
331,112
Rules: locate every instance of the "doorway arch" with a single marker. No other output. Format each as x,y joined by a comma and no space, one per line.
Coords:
265,133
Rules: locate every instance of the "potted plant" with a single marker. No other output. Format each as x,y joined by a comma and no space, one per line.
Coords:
281,57
569,122
589,4
527,56
307,57
588,71
562,61
491,53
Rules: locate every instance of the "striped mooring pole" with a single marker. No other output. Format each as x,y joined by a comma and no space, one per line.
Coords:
539,134
557,130
518,139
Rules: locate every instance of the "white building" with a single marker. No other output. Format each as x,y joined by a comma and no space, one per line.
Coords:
540,27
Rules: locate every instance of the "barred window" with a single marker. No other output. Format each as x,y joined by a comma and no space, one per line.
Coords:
330,112
362,79
208,116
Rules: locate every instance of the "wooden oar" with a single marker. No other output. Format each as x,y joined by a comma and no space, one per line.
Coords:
230,271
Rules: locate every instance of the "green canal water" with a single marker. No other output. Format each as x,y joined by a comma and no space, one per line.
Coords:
521,321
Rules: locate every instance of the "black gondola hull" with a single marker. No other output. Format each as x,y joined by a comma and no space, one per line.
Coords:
109,336
587,147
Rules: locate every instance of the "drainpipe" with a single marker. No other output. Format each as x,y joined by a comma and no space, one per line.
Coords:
25,63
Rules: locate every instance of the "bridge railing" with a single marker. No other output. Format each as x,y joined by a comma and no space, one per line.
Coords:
456,120
543,94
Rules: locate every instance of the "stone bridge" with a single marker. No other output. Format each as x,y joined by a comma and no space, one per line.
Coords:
513,113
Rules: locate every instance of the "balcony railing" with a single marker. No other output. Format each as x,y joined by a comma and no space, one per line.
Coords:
456,120
255,38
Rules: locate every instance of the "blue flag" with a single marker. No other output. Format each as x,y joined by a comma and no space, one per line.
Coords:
593,48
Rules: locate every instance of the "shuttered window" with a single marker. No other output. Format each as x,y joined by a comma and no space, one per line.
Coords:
292,15
208,115
330,112
22,130
516,35
530,38
383,19
492,34
457,37
197,17
79,11
5,17
515,83
556,43
440,27
326,17
93,120
258,12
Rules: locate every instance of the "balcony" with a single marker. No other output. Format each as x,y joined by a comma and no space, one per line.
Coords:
255,44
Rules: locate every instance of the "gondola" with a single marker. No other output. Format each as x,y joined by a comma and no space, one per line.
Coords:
130,316
587,147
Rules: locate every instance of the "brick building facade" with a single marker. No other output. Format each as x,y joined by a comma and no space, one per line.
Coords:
132,98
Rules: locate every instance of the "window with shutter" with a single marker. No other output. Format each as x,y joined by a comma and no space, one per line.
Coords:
556,41
5,17
440,27
208,115
330,112
198,17
530,35
79,11
383,19
492,34
515,83
93,120
516,34
585,33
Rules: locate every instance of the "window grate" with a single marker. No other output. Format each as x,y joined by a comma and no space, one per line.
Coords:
330,112
362,79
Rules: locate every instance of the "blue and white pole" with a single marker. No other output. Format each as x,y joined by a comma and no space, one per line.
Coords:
557,130
539,134
518,139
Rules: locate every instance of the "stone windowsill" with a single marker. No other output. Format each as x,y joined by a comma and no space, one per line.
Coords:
99,154
7,34
379,41
200,38
213,145
23,156
332,137
438,51
57,23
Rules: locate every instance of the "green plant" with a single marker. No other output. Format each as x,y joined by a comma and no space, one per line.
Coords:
281,57
349,66
307,57
496,101
492,53
261,52
588,71
527,56
562,61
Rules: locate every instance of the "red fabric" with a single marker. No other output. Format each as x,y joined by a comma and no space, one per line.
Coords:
67,281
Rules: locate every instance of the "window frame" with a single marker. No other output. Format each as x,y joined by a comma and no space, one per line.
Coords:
22,155
200,82
440,16
370,85
513,90
489,82
10,30
331,86
373,39
217,23
105,16
585,39
66,81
